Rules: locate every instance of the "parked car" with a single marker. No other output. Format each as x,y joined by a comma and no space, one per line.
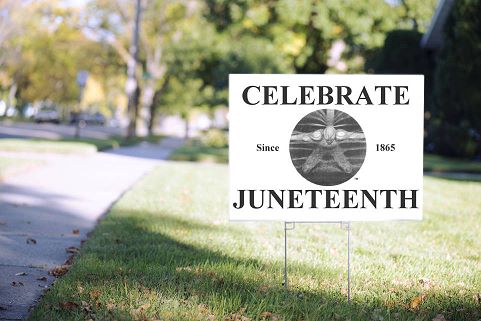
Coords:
47,115
87,118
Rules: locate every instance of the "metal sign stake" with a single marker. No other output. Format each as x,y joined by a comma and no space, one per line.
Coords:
348,228
349,262
286,228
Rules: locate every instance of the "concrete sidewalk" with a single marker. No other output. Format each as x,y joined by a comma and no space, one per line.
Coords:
47,210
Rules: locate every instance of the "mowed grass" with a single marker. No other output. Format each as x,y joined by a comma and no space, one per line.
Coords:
70,145
201,153
436,163
432,163
167,251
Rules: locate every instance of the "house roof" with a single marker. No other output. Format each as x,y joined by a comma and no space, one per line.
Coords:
434,38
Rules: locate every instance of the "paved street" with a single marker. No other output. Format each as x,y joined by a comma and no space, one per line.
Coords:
53,131
53,207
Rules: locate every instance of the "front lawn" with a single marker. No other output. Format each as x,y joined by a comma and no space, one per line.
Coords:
436,163
166,251
198,152
70,145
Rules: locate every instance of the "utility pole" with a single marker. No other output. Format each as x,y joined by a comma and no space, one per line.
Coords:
132,86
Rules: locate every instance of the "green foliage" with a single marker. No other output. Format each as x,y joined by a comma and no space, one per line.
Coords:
215,138
196,151
455,128
401,54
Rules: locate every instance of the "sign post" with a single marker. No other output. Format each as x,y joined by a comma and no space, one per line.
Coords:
325,148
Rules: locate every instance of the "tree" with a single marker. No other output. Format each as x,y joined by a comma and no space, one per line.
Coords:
456,123
163,22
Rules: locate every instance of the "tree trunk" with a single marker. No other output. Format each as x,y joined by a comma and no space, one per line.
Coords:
186,134
11,95
155,103
133,107
145,114
132,86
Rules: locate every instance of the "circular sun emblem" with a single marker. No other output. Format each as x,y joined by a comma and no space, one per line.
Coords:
327,147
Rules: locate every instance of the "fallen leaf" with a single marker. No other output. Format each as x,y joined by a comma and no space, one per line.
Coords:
439,317
416,302
31,241
17,283
72,249
76,231
264,288
86,307
425,282
70,260
269,316
43,278
59,270
136,313
20,273
68,305
266,314
94,295
477,298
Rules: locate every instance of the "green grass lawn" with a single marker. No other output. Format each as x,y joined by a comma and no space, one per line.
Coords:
166,251
436,163
69,145
11,165
197,152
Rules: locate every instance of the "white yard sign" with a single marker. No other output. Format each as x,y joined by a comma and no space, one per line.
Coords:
326,148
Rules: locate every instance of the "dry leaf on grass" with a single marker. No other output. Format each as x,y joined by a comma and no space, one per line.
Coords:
269,316
31,241
264,288
266,314
68,305
95,294
416,302
477,298
86,306
439,317
137,313
72,250
69,260
425,282
237,316
59,270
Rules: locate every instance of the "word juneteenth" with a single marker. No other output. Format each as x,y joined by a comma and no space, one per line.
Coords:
326,199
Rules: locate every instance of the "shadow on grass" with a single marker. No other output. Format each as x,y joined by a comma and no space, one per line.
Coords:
131,265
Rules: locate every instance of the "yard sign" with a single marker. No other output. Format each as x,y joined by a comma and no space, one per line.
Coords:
326,148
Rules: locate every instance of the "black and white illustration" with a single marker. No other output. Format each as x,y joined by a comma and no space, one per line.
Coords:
327,147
